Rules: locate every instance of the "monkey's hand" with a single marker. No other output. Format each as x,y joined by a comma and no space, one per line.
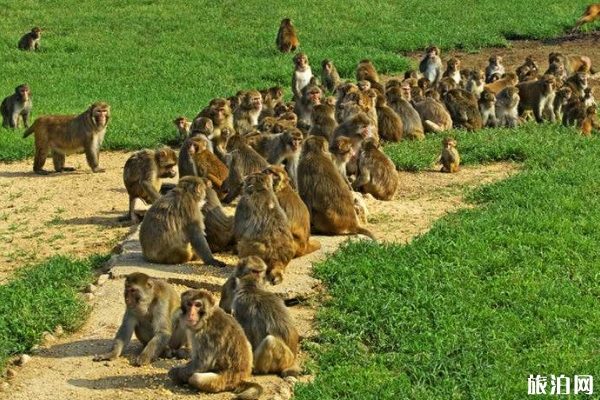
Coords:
104,357
216,263
98,169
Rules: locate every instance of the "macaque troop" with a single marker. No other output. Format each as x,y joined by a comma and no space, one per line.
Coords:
257,175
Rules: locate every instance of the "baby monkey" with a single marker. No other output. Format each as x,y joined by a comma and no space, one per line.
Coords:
450,158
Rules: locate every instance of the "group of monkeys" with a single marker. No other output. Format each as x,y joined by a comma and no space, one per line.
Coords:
298,168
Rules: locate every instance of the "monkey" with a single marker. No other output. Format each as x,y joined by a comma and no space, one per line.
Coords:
280,147
453,70
494,67
245,116
183,126
328,198
142,175
342,90
243,161
366,71
363,85
218,225
301,76
221,354
172,231
509,79
376,172
261,227
577,82
356,127
311,96
507,112
570,64
329,75
323,121
431,65
342,151
31,40
528,68
68,134
287,38
196,159
17,105
267,124
487,108
389,123
219,112
270,97
434,115
152,312
592,12
450,158
399,100
463,109
295,210
588,97
266,321
242,268
366,101
538,96
562,97
202,126
475,82
445,85
590,121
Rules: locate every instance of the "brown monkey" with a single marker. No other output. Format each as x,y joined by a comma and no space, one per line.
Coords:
245,116
323,121
433,113
528,69
241,269
357,127
342,90
463,109
507,111
538,96
196,159
342,151
202,126
31,40
301,76
68,134
17,105
221,354
366,71
295,210
311,96
592,12
152,312
411,122
389,124
509,79
287,38
590,121
172,231
183,126
267,323
376,172
577,82
475,82
450,158
244,160
270,97
219,112
218,225
261,227
487,108
142,175
327,216
562,97
329,75
588,97
431,65
453,70
280,147
494,70
570,64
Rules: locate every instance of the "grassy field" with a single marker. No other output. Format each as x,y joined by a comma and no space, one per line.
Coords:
468,310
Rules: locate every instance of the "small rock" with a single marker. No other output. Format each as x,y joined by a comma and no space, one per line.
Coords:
59,331
10,373
91,288
88,296
102,279
4,386
24,359
47,338
35,349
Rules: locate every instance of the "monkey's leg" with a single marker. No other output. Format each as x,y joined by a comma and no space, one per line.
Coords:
210,382
41,152
153,349
59,162
273,355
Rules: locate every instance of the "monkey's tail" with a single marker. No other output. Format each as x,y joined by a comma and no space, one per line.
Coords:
433,126
248,391
366,232
29,131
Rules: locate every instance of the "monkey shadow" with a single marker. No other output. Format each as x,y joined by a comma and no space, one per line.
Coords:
31,174
114,219
81,348
133,381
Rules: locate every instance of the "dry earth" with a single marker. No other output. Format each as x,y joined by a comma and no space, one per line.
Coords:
76,214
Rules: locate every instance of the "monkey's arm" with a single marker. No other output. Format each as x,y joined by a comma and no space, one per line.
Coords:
362,179
200,245
92,151
181,373
122,338
151,191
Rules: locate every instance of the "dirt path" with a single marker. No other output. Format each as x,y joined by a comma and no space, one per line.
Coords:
77,214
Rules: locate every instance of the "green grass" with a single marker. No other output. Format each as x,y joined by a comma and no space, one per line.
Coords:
40,298
154,60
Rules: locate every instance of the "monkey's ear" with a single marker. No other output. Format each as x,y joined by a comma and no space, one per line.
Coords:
150,283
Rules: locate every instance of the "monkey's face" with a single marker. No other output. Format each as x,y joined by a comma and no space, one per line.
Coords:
24,92
137,297
254,102
301,62
100,114
315,96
